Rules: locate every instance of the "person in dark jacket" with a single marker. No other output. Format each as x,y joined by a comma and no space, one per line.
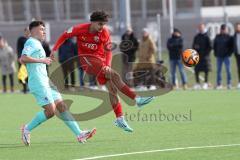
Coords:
128,46
202,44
47,50
223,48
20,45
66,54
175,48
236,39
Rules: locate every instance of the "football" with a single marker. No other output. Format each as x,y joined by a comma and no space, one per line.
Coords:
190,57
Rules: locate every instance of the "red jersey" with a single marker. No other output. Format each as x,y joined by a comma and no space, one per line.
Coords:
94,44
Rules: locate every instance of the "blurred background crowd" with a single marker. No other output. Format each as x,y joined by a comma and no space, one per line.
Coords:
148,33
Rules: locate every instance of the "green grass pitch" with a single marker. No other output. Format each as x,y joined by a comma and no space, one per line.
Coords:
211,118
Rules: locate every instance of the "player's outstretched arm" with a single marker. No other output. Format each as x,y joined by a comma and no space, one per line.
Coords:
26,59
60,41
71,32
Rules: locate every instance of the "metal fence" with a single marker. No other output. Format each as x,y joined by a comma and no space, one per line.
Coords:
61,14
25,10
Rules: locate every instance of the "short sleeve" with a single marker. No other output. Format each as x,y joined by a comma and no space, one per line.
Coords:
28,49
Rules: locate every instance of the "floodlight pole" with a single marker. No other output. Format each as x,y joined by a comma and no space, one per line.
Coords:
1,11
27,12
159,42
125,16
171,16
144,9
86,10
225,15
164,8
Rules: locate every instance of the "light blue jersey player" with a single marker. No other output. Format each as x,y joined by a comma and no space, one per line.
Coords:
46,95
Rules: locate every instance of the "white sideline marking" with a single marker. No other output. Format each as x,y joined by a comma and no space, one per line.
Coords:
159,150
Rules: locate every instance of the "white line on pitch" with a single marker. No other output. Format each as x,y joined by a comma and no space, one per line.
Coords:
159,150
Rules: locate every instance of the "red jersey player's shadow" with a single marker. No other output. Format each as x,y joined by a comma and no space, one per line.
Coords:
157,73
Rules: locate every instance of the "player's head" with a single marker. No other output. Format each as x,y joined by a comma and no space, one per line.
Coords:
98,20
37,30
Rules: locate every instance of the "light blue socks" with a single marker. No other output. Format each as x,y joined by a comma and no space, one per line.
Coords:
37,120
70,122
65,116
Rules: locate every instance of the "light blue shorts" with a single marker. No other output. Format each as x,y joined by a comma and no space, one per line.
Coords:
46,95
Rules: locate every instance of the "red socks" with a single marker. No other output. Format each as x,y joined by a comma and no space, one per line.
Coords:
117,108
128,92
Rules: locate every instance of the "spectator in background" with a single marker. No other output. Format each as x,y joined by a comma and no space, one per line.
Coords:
145,58
20,44
7,62
21,41
237,50
202,44
175,48
80,69
223,48
47,50
128,46
66,54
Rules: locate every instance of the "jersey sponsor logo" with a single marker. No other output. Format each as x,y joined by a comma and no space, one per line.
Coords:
91,46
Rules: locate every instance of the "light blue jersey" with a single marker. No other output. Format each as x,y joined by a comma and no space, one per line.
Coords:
37,73
38,81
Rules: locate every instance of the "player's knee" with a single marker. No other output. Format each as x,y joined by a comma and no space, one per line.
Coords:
115,75
112,89
61,107
49,112
113,92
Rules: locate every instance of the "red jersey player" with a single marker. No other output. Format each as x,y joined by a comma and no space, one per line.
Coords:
93,41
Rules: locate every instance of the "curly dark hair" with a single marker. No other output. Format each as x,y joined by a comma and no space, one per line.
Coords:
101,16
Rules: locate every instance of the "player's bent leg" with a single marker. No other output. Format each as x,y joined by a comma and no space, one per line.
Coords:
115,78
49,110
117,81
40,117
117,108
68,119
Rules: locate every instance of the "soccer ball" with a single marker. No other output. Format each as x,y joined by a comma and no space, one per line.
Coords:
190,57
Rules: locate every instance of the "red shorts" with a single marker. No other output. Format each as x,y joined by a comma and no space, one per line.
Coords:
94,66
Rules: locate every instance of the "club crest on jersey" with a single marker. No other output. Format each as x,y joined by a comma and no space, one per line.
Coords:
96,38
83,38
46,99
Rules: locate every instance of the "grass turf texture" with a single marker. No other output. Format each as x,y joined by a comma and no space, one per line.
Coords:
215,121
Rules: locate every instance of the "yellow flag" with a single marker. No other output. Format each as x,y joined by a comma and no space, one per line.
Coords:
22,73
